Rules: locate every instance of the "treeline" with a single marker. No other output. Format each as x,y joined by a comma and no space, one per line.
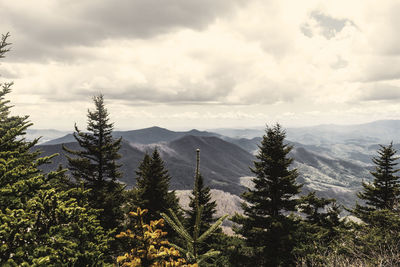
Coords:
86,217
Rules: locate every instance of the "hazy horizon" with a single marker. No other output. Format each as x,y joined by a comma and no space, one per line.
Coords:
183,128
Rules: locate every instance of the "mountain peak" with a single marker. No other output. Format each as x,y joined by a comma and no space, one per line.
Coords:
155,128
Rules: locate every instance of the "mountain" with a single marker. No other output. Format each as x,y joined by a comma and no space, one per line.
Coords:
68,138
142,136
250,145
156,134
147,135
222,163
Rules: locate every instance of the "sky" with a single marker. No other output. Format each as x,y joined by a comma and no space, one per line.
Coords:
203,64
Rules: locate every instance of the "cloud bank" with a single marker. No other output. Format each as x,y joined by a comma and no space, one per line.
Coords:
172,57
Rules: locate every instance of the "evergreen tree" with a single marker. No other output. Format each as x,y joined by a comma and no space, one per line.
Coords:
266,226
209,210
379,237
319,230
323,212
384,191
96,165
40,222
4,45
152,187
203,195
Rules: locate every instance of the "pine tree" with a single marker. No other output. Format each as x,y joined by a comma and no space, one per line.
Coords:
209,210
152,187
96,165
266,226
40,222
203,195
380,233
323,212
318,230
384,192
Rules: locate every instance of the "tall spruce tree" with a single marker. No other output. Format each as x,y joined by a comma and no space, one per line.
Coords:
152,187
41,224
96,165
318,231
384,191
266,226
209,207
379,234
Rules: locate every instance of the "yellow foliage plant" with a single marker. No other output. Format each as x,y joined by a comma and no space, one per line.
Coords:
152,248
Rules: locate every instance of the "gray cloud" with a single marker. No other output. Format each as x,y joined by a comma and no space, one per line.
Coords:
46,32
192,93
9,73
328,25
214,89
380,92
147,18
306,30
382,68
340,63
218,86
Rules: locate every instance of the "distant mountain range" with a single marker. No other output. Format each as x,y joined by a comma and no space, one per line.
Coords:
331,159
142,136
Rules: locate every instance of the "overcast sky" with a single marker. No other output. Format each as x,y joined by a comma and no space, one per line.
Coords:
185,64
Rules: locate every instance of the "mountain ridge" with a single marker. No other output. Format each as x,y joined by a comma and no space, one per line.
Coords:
146,136
222,171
